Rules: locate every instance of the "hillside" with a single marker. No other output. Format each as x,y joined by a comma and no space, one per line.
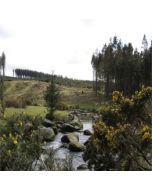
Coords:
30,92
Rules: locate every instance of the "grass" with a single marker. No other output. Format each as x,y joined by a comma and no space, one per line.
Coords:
33,93
30,110
36,110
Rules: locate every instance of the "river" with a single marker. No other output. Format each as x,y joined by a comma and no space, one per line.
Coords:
63,153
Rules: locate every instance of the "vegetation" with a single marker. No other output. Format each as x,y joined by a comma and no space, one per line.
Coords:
22,93
122,140
122,68
2,75
23,74
20,145
51,97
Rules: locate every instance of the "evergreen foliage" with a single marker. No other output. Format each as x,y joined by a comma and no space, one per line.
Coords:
121,67
51,97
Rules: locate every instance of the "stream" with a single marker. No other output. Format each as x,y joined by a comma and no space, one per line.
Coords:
63,153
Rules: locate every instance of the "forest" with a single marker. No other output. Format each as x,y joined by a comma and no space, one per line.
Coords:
121,67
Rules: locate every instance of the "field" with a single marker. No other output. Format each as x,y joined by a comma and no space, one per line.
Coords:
30,93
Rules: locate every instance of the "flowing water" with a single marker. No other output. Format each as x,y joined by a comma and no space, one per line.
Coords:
63,153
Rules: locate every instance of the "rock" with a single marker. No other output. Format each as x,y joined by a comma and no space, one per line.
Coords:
47,134
76,147
66,127
69,138
76,123
48,123
82,167
59,122
85,143
55,129
87,132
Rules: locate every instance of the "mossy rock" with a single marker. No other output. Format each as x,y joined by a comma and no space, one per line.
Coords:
47,134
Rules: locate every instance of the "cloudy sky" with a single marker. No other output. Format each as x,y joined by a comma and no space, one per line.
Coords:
61,35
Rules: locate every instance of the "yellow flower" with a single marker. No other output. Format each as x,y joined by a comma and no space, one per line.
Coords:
146,135
15,141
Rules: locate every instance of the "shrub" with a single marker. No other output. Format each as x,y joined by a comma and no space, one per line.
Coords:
15,102
19,143
122,140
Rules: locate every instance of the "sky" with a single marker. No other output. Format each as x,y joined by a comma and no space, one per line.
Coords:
62,35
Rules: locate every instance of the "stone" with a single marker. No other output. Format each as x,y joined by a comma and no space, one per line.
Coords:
82,167
66,127
69,138
56,130
47,134
48,123
76,147
87,132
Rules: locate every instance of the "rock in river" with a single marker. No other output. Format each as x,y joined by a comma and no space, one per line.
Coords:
47,134
87,132
82,167
48,123
66,127
76,147
69,138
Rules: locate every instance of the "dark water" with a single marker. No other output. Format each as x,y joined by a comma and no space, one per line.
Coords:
63,153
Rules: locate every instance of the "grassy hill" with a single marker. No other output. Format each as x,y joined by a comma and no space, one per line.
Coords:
30,92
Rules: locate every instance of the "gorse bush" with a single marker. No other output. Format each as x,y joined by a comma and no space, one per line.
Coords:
122,140
19,142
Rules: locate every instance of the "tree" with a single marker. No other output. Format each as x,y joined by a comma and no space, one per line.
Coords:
51,97
2,75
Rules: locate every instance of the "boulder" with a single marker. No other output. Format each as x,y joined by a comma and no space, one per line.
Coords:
82,167
86,142
87,132
48,123
66,127
69,138
59,122
76,147
56,130
47,134
76,123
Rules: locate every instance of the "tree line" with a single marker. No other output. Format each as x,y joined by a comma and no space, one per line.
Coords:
120,67
60,80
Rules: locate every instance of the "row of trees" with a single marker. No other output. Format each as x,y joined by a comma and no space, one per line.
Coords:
121,67
29,74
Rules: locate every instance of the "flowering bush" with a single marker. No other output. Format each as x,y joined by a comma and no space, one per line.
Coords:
123,139
19,142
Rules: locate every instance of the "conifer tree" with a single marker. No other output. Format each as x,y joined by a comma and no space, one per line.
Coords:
51,97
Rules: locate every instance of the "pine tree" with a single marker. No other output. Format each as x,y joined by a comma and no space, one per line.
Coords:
51,97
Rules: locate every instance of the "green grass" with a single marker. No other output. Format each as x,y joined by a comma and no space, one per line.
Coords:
36,110
61,115
30,110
